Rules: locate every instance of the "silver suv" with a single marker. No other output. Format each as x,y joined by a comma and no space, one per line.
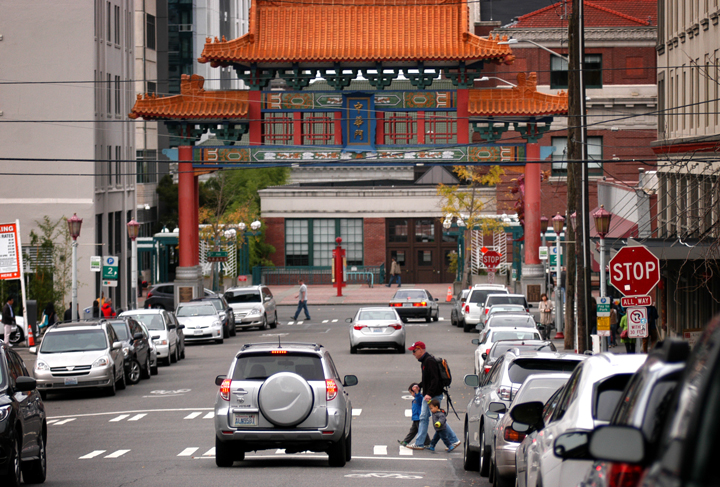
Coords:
283,395
253,306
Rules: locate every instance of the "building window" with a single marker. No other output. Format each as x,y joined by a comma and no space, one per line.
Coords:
594,152
117,24
151,87
118,165
108,90
146,162
398,231
117,95
424,231
424,258
318,128
323,242
311,242
297,248
351,232
150,31
440,128
109,22
592,71
400,128
277,129
109,163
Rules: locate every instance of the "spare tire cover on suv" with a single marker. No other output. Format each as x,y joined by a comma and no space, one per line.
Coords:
285,399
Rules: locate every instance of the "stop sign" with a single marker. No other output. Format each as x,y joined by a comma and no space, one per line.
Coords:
634,271
491,259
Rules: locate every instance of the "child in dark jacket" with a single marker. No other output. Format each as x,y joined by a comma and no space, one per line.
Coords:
439,421
414,389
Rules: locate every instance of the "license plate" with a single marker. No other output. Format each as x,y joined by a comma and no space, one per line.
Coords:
377,330
407,304
198,332
245,420
71,381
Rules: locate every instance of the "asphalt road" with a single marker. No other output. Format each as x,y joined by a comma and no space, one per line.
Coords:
160,432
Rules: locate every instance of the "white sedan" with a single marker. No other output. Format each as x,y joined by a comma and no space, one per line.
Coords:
489,336
377,328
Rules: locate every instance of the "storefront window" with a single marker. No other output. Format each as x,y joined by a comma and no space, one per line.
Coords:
398,231
425,231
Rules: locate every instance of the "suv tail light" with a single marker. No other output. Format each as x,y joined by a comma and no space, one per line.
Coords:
225,389
467,308
396,305
396,326
505,393
512,435
359,327
485,310
624,475
331,389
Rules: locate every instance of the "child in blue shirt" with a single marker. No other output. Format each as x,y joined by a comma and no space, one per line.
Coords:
414,389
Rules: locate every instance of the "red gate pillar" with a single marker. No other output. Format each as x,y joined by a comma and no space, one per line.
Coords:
188,275
255,117
463,116
532,204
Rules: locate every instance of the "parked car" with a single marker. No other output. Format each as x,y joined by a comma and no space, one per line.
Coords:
489,336
376,328
162,296
506,440
587,401
163,331
457,316
499,348
253,306
226,314
283,395
415,303
180,334
519,320
499,386
153,349
201,320
23,423
501,298
644,405
136,348
86,355
475,302
17,335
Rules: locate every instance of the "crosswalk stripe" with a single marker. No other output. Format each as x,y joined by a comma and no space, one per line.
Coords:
442,319
210,452
300,322
405,451
335,320
380,450
65,421
138,417
290,323
356,412
117,454
119,418
209,415
325,321
408,413
187,452
51,421
92,454
193,415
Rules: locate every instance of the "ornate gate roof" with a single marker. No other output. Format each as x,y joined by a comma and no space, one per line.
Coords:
522,100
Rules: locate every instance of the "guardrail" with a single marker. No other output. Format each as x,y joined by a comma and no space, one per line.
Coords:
289,275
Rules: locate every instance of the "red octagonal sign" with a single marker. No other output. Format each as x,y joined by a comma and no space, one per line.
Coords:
491,259
634,271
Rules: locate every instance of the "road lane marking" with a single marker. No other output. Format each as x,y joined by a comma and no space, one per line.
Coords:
64,421
441,318
209,453
334,321
402,458
193,415
408,413
325,321
187,452
119,418
407,452
300,322
117,454
51,421
356,412
138,417
209,415
132,411
290,323
92,454
380,450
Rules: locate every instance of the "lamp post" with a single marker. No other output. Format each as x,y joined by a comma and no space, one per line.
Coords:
543,230
602,219
74,225
244,258
558,221
133,229
459,225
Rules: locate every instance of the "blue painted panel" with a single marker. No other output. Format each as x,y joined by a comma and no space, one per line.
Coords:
359,122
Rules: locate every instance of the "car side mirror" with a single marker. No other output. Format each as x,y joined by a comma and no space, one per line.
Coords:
348,320
25,384
171,326
476,341
471,380
529,413
522,427
138,336
495,409
530,305
350,380
436,299
573,445
181,327
156,337
267,298
484,356
117,345
219,379
33,350
617,444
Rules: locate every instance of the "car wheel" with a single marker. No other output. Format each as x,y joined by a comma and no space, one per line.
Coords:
401,348
17,336
35,471
437,315
174,356
471,459
428,318
484,454
133,375
167,361
353,349
226,331
337,455
12,477
223,454
499,481
274,323
467,328
219,341
43,395
110,391
348,447
145,373
121,384
264,325
154,369
233,331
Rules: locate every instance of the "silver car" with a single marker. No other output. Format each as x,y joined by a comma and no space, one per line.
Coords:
283,395
153,349
201,320
253,307
489,336
376,328
163,331
79,356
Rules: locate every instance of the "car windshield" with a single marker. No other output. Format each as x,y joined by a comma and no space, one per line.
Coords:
185,311
217,303
376,315
539,390
478,296
121,330
74,341
410,295
515,335
519,300
243,297
500,320
260,366
500,308
501,348
521,369
153,322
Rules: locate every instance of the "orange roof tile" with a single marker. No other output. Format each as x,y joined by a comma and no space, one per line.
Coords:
193,102
524,99
597,13
323,31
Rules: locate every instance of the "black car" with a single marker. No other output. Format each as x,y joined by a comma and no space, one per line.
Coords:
415,303
226,313
136,348
23,425
162,296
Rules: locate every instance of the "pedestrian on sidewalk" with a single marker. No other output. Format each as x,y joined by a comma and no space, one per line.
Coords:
613,324
302,301
439,421
546,320
107,309
432,388
394,273
96,309
67,316
623,329
649,341
414,389
8,318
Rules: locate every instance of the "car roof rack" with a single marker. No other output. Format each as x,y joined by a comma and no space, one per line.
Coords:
314,346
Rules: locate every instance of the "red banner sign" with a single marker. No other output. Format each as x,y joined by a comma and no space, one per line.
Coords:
9,252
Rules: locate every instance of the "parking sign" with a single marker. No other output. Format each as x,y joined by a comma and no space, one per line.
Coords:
637,322
110,271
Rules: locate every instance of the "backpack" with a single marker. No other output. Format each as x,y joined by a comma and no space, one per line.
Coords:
445,374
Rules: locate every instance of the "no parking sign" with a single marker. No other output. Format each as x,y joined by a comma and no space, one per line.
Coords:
637,322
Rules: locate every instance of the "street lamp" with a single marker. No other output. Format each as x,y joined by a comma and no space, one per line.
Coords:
74,225
515,41
543,229
573,220
458,224
244,257
133,229
488,78
602,219
558,221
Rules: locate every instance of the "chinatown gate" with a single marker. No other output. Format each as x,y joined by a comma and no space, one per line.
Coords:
420,42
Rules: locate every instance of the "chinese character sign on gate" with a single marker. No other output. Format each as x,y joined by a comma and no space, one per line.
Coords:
9,252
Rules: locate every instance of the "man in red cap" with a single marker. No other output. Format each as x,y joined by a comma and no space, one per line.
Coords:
432,388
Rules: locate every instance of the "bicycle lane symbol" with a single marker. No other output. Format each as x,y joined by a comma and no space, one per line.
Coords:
176,392
383,475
